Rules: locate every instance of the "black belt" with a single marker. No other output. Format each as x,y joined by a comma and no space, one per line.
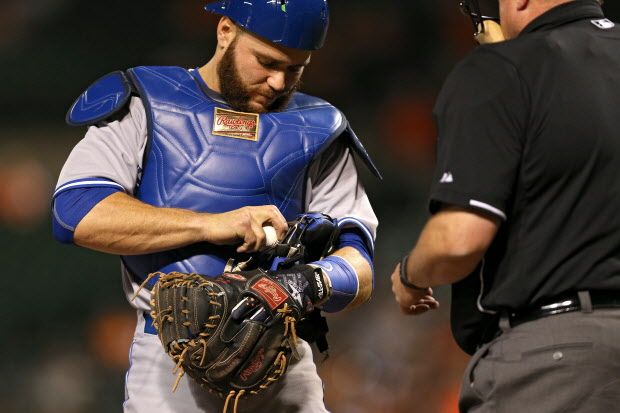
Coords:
565,304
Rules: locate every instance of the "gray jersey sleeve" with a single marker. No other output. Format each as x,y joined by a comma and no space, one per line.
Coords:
112,150
334,188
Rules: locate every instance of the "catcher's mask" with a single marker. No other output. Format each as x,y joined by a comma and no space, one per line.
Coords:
299,24
479,11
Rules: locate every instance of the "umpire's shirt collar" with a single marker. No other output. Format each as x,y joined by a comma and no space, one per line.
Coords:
565,13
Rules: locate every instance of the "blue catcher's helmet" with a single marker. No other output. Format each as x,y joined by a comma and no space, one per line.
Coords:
300,24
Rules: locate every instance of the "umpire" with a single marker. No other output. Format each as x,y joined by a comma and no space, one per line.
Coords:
525,210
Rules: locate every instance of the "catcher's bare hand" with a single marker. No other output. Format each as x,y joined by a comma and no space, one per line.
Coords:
412,301
244,226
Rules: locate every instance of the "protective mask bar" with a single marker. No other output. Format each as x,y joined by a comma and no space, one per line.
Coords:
486,25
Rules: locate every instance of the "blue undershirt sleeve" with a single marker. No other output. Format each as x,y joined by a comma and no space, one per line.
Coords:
354,237
71,205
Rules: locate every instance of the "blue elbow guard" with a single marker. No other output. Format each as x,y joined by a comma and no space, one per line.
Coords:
344,282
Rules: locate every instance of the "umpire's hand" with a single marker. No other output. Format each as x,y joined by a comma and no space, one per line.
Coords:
412,301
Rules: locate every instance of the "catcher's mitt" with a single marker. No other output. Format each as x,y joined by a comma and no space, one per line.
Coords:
236,334
238,350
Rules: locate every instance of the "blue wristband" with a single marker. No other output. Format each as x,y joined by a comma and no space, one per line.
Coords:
344,282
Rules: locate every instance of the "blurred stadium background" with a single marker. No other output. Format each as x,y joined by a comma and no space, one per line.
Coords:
65,326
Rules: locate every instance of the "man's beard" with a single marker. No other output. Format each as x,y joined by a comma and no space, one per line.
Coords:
234,91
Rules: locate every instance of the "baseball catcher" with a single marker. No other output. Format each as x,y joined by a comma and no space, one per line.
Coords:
235,334
181,170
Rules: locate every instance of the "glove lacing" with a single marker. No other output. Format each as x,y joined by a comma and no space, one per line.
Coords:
281,362
187,280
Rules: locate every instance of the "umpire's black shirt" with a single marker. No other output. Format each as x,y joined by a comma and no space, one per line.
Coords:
529,132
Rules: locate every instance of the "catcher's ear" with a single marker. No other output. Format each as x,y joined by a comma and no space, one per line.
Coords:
226,32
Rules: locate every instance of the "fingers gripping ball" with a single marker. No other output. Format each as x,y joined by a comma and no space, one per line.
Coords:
212,330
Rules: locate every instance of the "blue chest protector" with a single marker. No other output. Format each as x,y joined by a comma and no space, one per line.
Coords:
187,166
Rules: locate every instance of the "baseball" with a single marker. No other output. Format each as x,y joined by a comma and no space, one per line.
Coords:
271,238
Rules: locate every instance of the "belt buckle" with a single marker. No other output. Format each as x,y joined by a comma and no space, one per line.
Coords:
565,305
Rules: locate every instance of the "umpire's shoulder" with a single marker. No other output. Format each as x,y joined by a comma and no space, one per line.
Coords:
522,51
489,57
484,73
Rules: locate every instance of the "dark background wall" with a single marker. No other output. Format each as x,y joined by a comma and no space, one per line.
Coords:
66,326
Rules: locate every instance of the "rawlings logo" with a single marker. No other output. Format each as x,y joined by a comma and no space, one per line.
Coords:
236,123
233,124
271,292
254,365
232,276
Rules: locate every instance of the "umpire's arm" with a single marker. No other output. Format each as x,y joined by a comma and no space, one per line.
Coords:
450,246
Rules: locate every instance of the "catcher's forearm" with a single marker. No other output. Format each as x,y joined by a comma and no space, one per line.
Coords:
123,225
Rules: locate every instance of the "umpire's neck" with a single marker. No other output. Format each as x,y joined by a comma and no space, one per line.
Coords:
515,15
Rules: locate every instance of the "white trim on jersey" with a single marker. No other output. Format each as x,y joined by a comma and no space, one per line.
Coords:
87,183
488,207
479,300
